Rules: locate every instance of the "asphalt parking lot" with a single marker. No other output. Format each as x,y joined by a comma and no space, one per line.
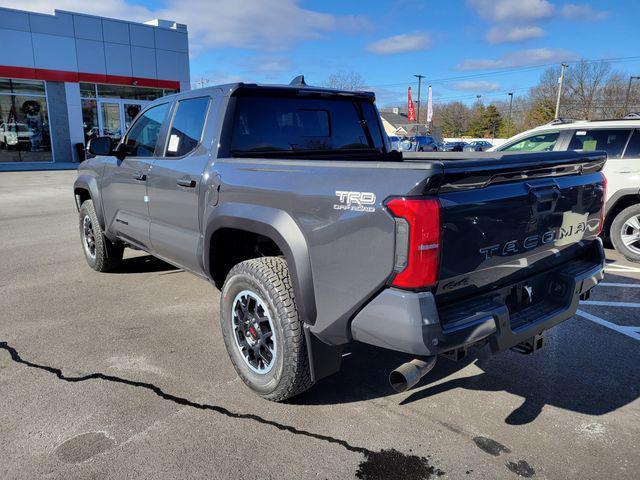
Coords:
125,375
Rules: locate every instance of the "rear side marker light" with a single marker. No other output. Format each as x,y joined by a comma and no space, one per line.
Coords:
417,248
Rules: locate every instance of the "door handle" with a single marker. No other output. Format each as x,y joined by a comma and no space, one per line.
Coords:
140,176
186,182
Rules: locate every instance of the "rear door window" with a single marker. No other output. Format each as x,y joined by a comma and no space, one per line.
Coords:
541,142
609,140
633,147
187,126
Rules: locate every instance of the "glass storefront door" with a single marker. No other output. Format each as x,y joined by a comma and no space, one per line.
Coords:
115,116
110,122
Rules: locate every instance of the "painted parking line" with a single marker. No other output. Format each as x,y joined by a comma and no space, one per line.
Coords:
601,303
633,332
621,285
619,268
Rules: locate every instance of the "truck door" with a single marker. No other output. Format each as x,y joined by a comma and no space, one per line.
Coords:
124,187
174,186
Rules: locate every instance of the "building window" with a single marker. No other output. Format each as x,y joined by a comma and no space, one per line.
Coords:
24,123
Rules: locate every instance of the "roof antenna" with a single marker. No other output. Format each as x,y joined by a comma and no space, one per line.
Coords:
298,81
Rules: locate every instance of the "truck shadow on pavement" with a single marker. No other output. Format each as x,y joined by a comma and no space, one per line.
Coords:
595,377
144,264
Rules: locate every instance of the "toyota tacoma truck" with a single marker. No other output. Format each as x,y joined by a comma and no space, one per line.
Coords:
290,201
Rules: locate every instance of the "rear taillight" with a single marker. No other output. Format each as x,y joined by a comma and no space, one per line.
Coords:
604,202
417,241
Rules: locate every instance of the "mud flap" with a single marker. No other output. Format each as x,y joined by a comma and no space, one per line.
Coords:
324,360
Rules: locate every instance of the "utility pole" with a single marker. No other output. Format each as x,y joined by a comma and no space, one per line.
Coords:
510,109
419,77
510,104
626,101
561,82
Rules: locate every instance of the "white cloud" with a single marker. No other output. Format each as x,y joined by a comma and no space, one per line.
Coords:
534,56
401,43
269,64
500,34
583,11
520,11
254,24
476,86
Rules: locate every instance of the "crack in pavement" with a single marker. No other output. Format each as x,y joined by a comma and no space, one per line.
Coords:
378,465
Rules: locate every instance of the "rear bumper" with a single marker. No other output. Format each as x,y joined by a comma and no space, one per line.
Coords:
411,322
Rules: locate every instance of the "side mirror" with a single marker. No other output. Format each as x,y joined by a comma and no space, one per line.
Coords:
99,146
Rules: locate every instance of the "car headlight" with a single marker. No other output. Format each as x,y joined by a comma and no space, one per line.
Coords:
12,138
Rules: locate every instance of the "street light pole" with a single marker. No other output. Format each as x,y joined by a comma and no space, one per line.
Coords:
626,101
419,77
561,82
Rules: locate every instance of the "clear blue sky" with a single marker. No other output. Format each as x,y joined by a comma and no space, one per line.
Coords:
388,41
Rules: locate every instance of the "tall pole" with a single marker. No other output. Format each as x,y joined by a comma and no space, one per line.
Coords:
561,82
626,101
510,109
510,104
419,77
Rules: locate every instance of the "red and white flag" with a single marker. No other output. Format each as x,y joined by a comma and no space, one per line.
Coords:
411,110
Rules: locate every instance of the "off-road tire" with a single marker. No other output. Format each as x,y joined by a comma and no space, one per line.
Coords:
108,255
268,278
615,232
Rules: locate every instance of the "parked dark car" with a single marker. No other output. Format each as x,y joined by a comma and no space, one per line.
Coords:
454,146
478,146
424,143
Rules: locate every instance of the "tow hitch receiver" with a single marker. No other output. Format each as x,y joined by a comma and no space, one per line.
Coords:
530,345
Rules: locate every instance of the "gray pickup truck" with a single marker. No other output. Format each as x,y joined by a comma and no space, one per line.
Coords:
289,200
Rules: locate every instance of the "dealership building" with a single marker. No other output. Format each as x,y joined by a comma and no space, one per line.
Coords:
67,77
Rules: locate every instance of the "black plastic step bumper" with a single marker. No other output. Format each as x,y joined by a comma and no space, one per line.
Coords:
411,322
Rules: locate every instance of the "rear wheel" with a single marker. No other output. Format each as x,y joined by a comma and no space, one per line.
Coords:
262,331
625,233
101,254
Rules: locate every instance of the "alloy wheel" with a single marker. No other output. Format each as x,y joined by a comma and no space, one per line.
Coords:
253,332
630,234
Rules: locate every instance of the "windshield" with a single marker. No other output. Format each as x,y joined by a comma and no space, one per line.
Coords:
267,123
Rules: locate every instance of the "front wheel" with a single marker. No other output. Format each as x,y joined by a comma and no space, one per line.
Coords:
625,233
262,331
101,254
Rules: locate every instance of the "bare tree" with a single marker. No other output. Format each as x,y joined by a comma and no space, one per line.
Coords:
344,81
453,118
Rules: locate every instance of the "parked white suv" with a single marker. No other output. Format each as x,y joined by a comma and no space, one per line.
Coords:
621,140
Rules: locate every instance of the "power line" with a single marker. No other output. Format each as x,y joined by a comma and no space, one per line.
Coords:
511,70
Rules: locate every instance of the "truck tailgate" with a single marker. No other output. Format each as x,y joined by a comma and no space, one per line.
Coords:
507,217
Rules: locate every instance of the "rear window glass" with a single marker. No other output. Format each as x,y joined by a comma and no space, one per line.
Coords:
276,124
633,148
611,141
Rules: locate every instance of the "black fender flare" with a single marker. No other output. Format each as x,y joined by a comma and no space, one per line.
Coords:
90,184
280,227
619,195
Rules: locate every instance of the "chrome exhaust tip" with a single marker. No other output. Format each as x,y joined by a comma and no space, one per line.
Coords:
409,374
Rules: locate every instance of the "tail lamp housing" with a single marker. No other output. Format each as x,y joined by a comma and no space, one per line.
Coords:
417,250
